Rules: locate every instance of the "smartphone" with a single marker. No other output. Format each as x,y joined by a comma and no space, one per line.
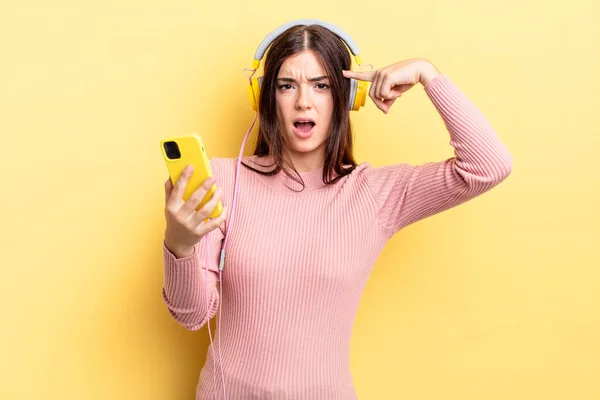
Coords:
183,150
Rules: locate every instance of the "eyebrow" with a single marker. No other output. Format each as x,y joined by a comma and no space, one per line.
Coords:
315,79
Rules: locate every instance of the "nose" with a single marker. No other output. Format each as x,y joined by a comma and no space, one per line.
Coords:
303,101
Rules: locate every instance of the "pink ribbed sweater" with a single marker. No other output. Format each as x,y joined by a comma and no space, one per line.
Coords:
297,262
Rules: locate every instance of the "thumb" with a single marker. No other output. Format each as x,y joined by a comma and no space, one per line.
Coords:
360,75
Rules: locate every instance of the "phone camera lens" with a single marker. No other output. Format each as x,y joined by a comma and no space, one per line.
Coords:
172,150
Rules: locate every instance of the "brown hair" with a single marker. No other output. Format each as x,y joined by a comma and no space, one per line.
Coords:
334,57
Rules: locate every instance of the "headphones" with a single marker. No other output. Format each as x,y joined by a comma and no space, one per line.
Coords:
358,89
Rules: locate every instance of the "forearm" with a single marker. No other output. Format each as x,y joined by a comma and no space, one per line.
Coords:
189,290
480,155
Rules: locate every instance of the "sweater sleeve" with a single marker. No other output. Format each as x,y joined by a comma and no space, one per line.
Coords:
406,194
186,289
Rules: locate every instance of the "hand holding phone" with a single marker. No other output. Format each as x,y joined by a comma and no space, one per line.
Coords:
193,201
185,225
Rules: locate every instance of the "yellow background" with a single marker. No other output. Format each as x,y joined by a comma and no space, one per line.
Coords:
496,299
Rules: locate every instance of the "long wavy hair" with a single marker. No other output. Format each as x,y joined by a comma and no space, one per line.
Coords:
334,57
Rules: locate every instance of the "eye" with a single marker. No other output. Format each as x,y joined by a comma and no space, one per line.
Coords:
284,86
323,86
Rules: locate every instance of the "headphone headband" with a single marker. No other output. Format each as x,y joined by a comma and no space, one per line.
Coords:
266,42
358,90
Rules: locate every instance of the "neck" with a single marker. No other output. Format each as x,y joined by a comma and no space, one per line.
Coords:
307,162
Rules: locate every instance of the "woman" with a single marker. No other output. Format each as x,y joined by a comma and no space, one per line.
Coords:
311,222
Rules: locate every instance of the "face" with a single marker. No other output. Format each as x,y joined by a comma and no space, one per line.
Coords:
303,94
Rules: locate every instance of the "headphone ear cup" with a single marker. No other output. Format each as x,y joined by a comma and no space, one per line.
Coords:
254,92
358,94
361,94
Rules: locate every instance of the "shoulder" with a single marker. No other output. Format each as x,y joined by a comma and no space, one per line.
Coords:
218,164
370,172
228,165
225,168
380,179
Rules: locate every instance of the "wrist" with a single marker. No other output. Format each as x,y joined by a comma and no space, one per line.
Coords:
178,251
427,72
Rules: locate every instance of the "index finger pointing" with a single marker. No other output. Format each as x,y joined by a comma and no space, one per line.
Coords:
360,75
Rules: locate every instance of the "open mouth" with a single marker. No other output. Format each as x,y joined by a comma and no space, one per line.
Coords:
304,127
